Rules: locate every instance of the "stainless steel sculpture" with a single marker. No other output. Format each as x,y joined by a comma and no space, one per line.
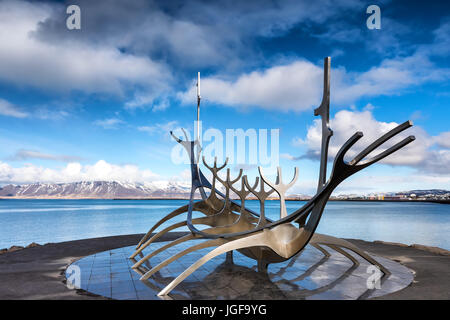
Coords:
232,226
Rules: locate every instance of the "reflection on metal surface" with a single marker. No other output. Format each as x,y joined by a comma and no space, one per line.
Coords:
232,226
307,275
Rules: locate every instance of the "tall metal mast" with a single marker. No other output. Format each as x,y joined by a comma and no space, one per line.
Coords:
324,112
198,106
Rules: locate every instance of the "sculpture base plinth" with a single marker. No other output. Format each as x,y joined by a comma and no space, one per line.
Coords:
312,274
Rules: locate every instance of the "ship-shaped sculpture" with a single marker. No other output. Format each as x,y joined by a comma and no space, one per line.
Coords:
232,226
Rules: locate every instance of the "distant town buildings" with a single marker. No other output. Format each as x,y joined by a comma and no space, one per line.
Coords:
415,195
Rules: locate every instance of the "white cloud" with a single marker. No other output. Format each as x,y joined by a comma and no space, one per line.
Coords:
66,66
111,123
200,34
123,46
74,172
184,176
24,154
43,112
161,128
112,55
295,86
443,139
10,110
420,154
143,100
287,156
391,77
341,32
298,85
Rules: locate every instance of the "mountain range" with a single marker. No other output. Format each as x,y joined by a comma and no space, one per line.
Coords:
97,190
125,190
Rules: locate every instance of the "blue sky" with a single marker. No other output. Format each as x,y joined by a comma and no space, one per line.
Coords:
97,103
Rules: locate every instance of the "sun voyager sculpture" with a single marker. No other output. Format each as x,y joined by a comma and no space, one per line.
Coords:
232,226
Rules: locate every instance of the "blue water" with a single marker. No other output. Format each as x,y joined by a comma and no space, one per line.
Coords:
43,221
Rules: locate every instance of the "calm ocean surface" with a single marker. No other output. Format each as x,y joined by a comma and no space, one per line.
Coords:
43,221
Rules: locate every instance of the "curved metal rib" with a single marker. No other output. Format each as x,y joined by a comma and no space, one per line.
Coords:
405,125
212,200
280,187
171,215
341,170
145,241
261,195
219,223
279,237
205,244
225,247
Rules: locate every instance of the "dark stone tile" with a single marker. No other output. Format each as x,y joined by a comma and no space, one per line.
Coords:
329,295
144,285
198,292
84,264
101,267
307,275
119,290
125,295
105,273
100,289
125,276
100,280
147,295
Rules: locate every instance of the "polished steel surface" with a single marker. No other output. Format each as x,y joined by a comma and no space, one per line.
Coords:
232,226
307,275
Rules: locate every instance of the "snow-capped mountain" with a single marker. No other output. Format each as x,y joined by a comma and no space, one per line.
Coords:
98,189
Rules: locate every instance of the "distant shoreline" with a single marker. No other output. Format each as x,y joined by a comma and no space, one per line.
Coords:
361,200
337,200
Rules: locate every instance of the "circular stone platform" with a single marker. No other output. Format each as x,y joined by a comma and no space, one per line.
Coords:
309,275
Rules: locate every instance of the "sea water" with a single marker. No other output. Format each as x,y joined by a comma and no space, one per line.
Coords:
44,221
